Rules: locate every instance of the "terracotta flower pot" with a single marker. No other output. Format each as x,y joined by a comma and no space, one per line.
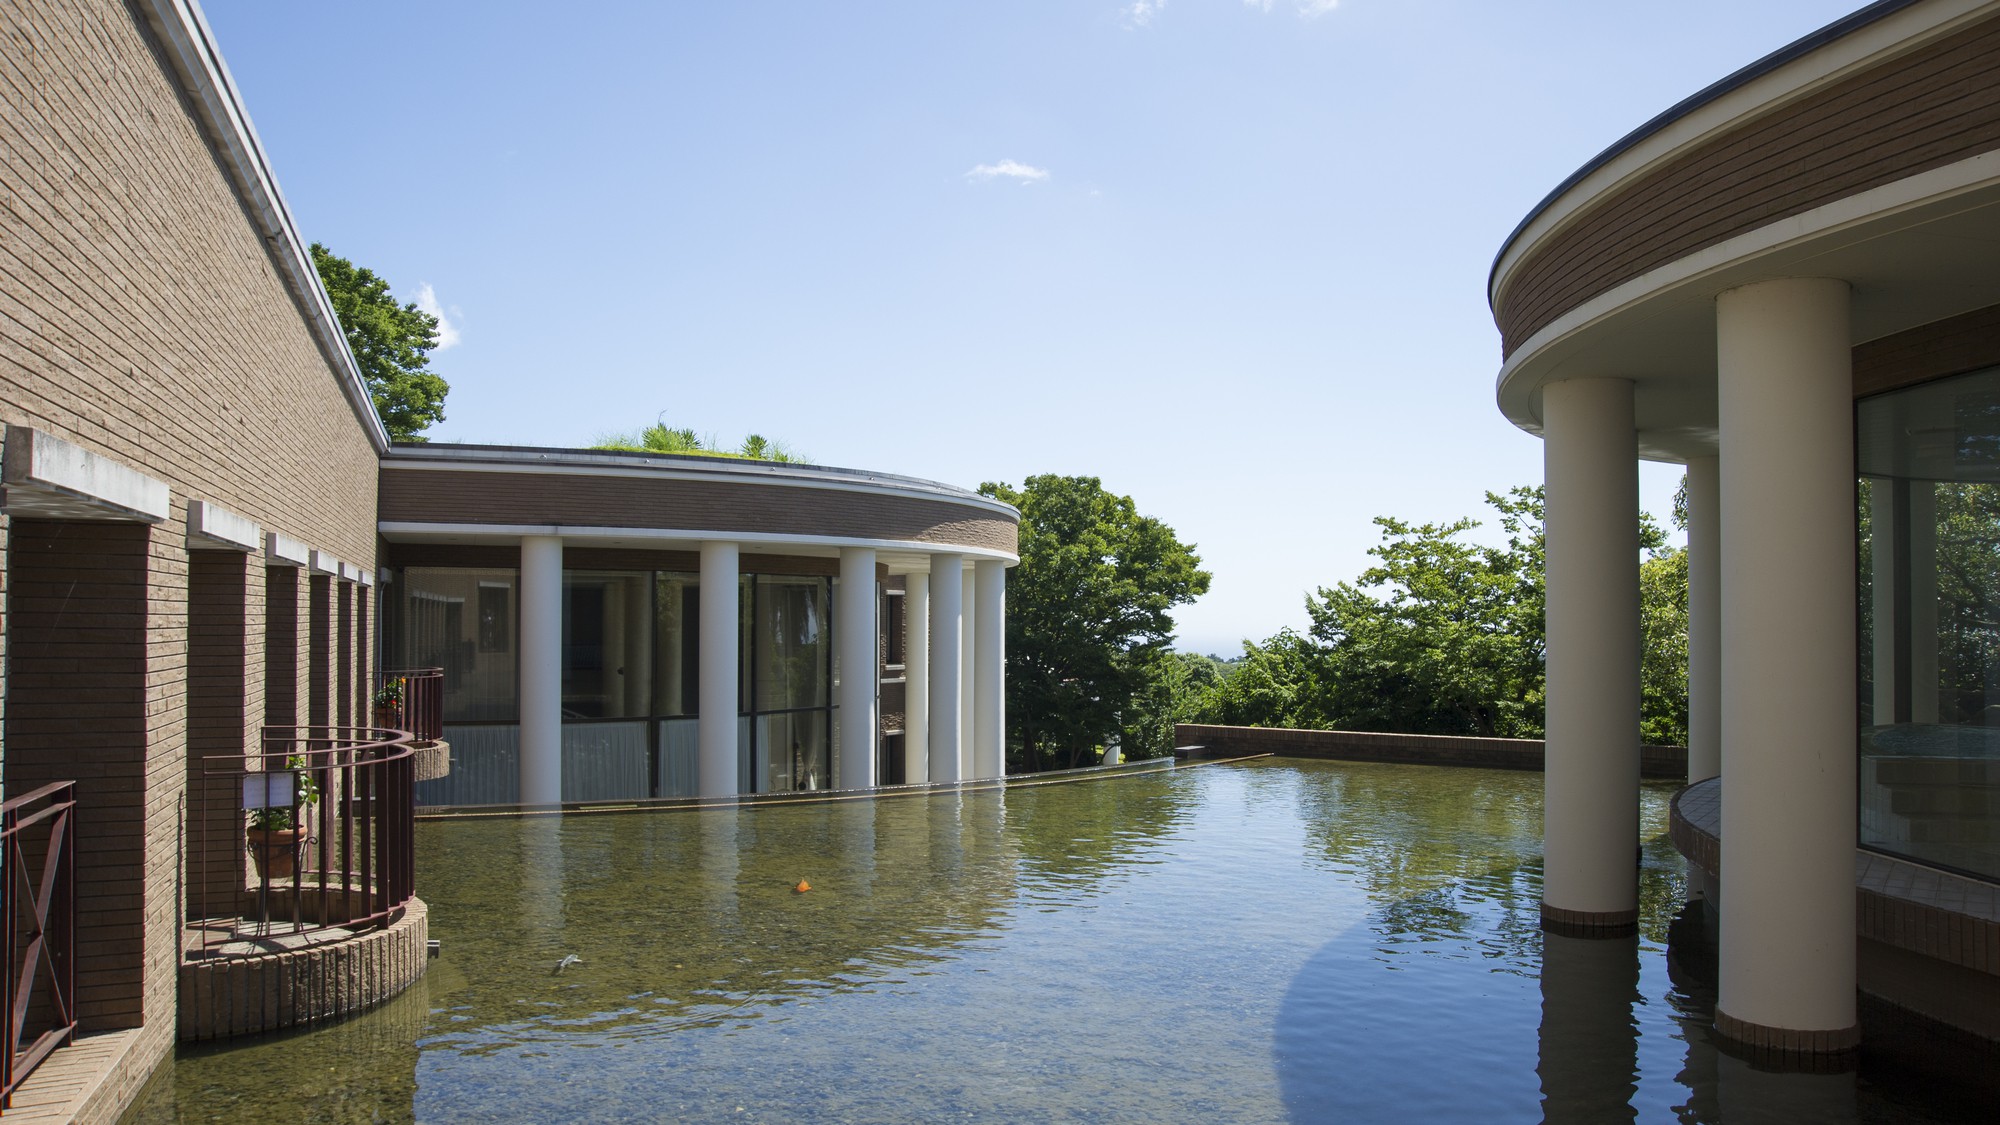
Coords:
275,851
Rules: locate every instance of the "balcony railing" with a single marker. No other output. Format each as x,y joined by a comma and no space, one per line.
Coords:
38,901
421,711
324,818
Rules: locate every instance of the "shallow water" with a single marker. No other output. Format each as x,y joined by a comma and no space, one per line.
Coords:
1260,942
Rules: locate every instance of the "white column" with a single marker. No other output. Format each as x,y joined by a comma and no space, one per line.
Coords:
947,621
968,694
1786,407
1884,502
1591,782
1922,502
1704,516
541,669
989,676
916,678
855,632
717,722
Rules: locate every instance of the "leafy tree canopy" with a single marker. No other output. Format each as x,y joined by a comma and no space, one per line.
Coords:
662,438
1088,615
1446,636
391,343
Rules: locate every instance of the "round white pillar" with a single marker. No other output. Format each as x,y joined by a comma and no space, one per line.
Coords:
854,632
1704,531
989,676
1590,830
968,694
541,669
916,679
716,725
947,622
1786,409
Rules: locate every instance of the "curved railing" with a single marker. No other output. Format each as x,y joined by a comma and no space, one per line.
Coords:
419,706
318,825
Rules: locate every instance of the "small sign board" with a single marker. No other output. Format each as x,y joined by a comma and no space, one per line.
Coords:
269,790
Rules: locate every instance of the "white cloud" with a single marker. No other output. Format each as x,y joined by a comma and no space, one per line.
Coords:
1307,9
1024,174
427,300
1139,13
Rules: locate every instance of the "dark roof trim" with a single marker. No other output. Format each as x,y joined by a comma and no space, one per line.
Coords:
1846,25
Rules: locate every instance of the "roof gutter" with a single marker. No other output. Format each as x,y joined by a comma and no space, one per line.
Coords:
190,47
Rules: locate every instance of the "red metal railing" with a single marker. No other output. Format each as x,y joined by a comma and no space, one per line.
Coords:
330,848
37,830
420,692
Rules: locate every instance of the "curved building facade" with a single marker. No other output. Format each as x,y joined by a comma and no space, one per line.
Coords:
1787,283
618,626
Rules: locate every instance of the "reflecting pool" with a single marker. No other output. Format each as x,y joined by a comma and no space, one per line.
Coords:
1269,941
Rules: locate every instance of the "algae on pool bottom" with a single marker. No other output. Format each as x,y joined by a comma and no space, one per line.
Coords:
1268,941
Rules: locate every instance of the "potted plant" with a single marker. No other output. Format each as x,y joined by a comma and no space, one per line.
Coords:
389,705
275,832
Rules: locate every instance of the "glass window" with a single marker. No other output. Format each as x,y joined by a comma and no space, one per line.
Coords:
607,664
789,642
677,644
464,622
1929,638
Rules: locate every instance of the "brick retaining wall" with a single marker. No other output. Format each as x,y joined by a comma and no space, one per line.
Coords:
230,996
1416,749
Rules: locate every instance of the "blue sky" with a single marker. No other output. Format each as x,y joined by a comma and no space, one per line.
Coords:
1228,256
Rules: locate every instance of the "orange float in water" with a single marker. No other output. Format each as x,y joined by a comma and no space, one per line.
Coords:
803,886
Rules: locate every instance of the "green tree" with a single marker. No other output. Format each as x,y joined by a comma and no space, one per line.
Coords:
391,343
1446,636
1088,615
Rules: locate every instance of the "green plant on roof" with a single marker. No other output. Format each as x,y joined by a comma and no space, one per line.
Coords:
662,438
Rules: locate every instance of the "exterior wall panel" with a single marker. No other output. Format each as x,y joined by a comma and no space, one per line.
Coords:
502,498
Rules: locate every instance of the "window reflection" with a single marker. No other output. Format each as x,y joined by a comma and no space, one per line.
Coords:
1929,507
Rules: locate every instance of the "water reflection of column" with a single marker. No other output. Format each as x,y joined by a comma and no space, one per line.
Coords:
1589,1042
718,864
1743,1092
855,831
541,888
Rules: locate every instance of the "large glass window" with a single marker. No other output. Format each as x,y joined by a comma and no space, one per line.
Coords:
631,685
1929,506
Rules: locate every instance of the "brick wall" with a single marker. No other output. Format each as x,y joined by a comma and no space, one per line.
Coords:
142,318
225,703
1418,749
81,705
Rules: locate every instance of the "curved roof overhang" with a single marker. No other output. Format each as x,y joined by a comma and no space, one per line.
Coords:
1916,249
613,499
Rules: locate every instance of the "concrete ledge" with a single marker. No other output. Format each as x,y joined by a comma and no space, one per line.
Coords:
1928,941
48,478
93,1079
1413,749
433,759
229,996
